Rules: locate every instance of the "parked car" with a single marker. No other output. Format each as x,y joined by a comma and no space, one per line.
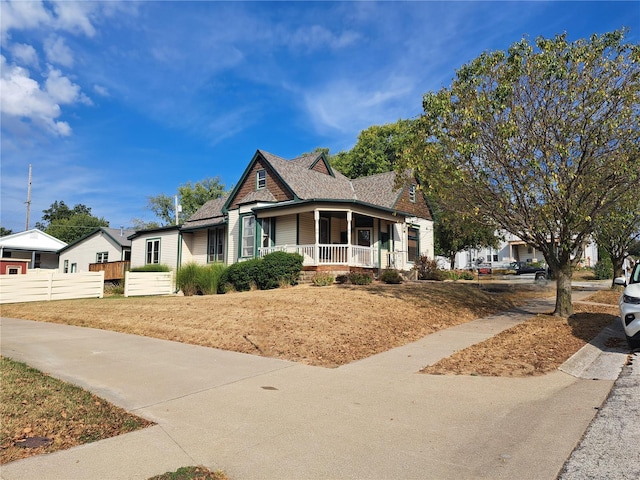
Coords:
630,307
523,267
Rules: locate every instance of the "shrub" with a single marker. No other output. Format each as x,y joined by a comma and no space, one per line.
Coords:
457,275
241,276
391,276
342,279
322,279
187,279
360,278
603,270
279,268
428,269
152,267
195,279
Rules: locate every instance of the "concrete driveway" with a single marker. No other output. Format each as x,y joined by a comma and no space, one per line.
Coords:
260,418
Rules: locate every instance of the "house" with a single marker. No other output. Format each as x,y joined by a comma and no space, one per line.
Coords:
157,246
38,247
301,206
513,249
107,249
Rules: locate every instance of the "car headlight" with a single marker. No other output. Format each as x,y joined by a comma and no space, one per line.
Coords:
630,299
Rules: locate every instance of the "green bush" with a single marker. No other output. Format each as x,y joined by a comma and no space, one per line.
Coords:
321,279
152,267
391,276
428,269
603,270
241,276
357,278
277,269
457,275
195,279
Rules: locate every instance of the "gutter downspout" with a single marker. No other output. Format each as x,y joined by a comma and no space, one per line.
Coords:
179,255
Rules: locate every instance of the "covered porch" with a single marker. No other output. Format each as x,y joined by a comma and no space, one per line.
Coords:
333,236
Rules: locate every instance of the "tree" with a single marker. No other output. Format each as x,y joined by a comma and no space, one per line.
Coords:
455,232
618,232
69,224
5,231
190,197
378,149
543,138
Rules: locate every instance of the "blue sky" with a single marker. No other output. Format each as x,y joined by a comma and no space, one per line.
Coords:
114,102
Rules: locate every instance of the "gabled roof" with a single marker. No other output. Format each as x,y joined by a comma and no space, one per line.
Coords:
33,239
168,228
118,236
377,189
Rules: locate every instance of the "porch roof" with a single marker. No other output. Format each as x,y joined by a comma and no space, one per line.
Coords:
326,201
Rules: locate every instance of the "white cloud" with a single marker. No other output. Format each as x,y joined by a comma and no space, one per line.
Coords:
100,90
73,16
25,54
23,15
23,97
318,37
58,52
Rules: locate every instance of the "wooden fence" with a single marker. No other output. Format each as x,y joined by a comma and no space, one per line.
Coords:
51,286
148,283
112,270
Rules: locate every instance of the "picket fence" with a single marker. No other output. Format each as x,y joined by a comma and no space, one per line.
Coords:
148,283
45,286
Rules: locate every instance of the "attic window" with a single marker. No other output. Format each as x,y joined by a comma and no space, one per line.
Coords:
261,179
412,193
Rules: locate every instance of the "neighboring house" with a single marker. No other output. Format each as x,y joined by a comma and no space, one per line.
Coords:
39,248
304,206
513,249
100,246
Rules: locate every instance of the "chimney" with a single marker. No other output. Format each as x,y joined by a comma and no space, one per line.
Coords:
122,230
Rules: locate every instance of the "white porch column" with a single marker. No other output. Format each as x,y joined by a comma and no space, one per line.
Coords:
316,217
349,217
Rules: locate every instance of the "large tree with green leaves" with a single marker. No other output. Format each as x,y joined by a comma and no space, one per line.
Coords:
69,224
377,150
543,138
190,196
618,232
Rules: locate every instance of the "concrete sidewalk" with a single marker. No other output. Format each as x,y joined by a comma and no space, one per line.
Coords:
256,417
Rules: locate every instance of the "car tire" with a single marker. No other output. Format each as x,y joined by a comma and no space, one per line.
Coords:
634,342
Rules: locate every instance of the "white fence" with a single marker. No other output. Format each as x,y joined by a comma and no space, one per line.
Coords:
148,283
50,286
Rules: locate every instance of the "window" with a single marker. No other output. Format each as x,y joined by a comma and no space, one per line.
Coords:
37,262
266,232
248,235
413,244
412,193
74,267
13,270
102,257
261,179
66,266
127,255
153,251
216,245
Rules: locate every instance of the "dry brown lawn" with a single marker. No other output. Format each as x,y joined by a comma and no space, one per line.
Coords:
324,326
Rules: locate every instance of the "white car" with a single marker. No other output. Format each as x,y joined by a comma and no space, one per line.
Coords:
630,307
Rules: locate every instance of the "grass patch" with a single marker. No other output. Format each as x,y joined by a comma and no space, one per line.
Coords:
191,473
39,407
534,347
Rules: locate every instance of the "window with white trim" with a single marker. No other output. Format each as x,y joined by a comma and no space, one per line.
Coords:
216,245
261,179
248,235
66,266
102,257
153,251
412,193
413,244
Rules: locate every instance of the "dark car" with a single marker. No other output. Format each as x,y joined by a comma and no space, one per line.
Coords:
523,267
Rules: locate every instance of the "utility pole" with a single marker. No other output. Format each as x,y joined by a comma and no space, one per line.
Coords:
178,209
28,199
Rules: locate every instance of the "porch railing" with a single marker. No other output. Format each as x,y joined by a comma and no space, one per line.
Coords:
327,254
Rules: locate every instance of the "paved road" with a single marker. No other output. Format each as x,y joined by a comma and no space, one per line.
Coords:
256,417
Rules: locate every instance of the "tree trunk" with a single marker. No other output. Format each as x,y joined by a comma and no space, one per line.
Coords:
564,308
452,261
